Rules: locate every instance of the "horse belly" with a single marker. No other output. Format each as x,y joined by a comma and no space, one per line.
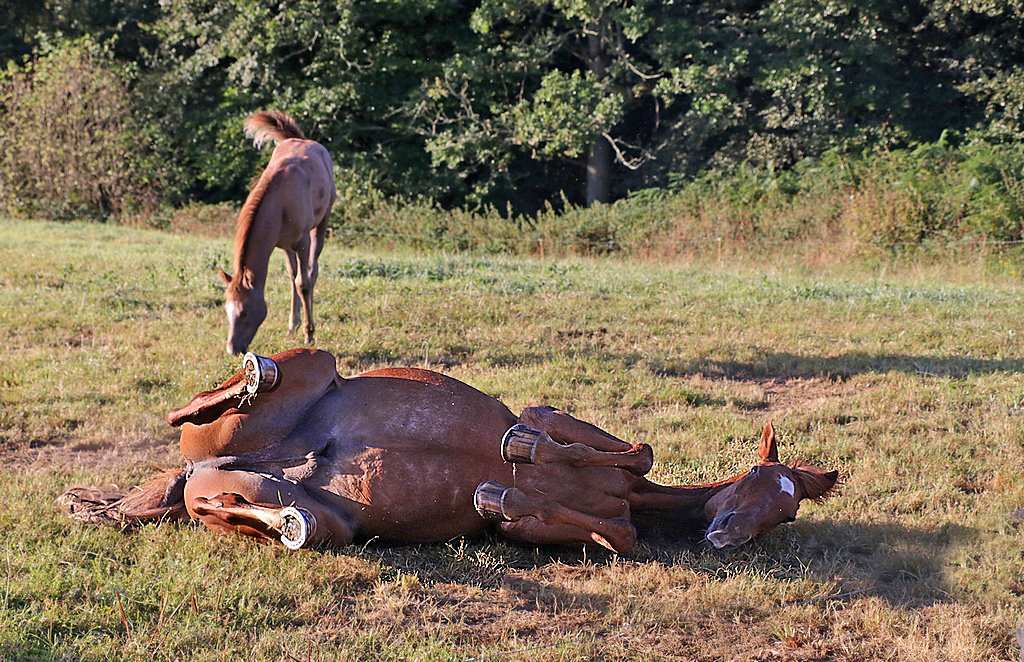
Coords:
408,454
422,495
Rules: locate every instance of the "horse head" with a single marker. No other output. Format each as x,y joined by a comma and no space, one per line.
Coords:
245,308
767,496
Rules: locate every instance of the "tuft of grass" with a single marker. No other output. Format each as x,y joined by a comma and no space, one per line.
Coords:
905,377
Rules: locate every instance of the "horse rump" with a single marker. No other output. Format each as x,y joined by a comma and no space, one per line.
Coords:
162,497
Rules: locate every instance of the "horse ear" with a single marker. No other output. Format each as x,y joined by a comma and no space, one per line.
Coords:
768,451
225,277
815,483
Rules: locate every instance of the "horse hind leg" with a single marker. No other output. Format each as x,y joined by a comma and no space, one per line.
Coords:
265,507
525,444
543,521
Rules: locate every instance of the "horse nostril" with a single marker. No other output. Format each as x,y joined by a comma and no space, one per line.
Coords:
724,521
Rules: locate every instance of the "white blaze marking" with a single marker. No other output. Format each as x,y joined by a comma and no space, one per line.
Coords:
787,485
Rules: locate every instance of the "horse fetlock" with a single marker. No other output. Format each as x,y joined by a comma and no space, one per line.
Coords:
519,445
297,527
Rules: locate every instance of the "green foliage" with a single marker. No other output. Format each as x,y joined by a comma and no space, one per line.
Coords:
514,104
69,144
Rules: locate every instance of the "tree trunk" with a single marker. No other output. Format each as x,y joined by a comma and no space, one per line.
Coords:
599,171
599,158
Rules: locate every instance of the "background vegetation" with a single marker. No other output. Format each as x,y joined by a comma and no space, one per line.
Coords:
905,373
516,107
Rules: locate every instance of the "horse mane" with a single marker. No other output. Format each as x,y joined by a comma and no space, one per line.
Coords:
245,222
271,125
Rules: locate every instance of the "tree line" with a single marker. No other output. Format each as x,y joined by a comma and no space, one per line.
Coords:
513,105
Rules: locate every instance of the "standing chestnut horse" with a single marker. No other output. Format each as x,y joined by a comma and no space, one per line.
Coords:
290,450
287,208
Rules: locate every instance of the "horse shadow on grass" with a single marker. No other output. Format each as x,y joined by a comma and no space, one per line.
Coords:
784,365
904,566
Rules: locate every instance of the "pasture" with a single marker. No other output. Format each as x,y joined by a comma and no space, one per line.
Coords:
909,378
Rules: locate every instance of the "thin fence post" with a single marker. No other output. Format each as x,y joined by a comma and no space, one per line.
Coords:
719,239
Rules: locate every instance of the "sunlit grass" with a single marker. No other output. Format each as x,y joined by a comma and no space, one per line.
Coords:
905,376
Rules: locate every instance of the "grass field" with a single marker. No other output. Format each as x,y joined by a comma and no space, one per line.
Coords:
909,378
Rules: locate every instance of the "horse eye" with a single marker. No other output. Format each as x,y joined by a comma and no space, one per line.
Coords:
754,470
243,315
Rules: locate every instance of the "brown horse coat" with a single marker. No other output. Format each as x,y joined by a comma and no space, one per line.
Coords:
288,208
408,454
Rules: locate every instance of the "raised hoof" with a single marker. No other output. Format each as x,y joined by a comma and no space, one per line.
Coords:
261,373
489,500
620,535
520,443
297,527
646,459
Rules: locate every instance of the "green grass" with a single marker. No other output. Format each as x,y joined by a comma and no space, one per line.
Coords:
904,375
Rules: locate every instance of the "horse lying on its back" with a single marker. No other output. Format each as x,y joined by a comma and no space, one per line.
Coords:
313,458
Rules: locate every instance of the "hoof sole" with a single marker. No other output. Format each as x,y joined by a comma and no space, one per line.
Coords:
520,443
297,527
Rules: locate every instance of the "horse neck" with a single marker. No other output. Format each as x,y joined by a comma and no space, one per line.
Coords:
258,230
688,500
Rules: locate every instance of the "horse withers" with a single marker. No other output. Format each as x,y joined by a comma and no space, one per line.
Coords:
311,458
287,208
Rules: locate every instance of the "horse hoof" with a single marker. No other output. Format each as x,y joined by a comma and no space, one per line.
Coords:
519,443
297,526
261,373
489,500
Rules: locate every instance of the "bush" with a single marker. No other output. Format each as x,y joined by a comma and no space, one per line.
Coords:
68,146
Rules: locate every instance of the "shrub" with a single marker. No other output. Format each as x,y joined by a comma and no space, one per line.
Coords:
68,146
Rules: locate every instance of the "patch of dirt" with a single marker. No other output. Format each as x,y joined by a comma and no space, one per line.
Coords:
787,394
90,453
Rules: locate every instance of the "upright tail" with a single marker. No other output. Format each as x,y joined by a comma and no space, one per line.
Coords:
160,498
271,125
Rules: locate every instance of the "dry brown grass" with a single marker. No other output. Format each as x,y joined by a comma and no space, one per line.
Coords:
904,376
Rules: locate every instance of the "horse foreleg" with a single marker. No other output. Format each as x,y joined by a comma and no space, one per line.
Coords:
265,507
543,521
293,277
566,429
533,531
303,272
523,443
